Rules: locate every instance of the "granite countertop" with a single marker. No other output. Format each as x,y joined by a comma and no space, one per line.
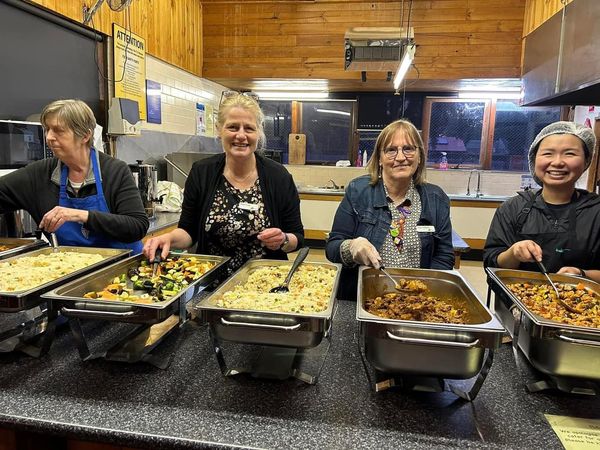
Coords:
163,220
191,405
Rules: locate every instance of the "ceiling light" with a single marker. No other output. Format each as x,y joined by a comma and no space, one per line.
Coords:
291,95
506,95
405,63
332,111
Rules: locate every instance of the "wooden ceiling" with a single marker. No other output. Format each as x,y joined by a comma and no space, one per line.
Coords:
270,40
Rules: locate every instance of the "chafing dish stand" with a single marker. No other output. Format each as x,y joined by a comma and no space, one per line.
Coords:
135,346
381,381
272,361
516,321
33,335
152,323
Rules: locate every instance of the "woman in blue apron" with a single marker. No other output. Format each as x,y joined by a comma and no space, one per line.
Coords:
559,224
84,196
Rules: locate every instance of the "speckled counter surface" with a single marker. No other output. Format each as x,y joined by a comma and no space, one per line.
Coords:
191,405
163,220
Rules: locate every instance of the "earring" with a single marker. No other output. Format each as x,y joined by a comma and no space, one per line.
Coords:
379,171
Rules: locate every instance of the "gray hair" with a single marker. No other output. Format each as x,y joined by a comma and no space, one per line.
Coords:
76,115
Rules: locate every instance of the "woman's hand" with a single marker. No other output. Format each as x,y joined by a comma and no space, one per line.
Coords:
163,242
272,238
363,252
570,270
58,215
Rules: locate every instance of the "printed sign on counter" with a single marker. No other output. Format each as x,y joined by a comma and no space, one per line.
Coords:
129,53
575,433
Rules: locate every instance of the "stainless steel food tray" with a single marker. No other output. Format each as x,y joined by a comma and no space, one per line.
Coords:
553,348
70,301
21,300
267,327
425,348
19,245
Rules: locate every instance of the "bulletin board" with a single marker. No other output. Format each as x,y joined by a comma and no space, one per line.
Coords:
44,58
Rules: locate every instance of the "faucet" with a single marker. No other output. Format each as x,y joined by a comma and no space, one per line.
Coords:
478,190
333,185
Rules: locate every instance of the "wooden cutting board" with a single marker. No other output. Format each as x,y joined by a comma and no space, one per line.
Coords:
297,149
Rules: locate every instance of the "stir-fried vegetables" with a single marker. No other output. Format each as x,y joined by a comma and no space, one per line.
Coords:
139,286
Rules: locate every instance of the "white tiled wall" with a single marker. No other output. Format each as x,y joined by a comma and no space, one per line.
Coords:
180,93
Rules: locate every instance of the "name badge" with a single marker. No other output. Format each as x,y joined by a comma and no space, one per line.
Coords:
245,206
425,229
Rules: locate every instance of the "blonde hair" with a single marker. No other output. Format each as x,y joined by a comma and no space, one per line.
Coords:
249,104
385,138
73,114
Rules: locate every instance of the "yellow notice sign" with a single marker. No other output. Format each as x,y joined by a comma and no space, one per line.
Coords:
575,433
129,53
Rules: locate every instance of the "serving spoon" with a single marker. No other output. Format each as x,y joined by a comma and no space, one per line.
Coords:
558,299
284,287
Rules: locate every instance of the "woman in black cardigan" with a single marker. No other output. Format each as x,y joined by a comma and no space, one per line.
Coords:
237,203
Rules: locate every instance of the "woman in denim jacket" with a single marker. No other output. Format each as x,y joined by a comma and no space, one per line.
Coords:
392,217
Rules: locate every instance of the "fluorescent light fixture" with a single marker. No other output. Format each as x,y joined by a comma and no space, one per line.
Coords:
332,111
290,85
507,95
407,59
291,95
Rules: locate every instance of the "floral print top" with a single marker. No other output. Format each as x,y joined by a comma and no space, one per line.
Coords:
235,219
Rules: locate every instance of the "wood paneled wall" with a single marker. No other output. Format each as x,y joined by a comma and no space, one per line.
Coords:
269,39
538,11
172,28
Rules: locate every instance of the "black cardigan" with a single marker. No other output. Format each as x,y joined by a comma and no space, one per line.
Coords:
282,203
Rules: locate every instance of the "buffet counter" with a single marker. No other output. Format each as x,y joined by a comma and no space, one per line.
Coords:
191,405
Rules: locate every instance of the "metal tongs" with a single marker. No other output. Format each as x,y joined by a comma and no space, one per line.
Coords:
156,262
558,299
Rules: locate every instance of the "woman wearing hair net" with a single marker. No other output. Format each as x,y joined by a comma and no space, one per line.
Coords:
558,224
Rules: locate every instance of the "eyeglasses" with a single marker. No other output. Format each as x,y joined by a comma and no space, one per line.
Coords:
229,94
409,151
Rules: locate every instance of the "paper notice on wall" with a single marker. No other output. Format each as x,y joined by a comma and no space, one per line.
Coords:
575,433
129,59
200,119
585,115
210,122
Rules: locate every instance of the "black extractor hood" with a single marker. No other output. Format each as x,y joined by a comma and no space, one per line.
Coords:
562,58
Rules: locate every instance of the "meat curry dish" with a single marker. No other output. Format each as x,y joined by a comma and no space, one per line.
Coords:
540,299
412,303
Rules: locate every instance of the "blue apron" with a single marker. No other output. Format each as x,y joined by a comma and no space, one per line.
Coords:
74,233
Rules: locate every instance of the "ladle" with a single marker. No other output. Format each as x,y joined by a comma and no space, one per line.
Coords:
558,299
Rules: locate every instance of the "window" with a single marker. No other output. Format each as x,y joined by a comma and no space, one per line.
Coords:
326,124
482,133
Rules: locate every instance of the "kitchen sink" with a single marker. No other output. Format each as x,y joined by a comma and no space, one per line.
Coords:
481,197
320,190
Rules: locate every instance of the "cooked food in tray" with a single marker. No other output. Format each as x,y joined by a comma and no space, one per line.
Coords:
138,285
540,299
309,291
419,307
28,272
3,248
414,286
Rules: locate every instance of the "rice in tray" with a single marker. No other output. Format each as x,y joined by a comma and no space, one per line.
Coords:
27,272
310,290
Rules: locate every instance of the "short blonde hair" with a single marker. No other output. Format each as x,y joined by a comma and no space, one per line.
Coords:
385,138
238,100
73,114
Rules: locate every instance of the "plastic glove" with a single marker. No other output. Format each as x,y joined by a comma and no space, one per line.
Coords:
363,252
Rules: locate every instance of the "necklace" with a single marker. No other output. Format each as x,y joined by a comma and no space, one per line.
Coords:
239,181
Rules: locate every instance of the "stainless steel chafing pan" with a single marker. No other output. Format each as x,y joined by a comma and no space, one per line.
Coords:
267,327
70,301
16,246
425,348
553,348
21,300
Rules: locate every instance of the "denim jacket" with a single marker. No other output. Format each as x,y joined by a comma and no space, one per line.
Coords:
364,212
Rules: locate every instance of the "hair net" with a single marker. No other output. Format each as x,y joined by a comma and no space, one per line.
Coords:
583,133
